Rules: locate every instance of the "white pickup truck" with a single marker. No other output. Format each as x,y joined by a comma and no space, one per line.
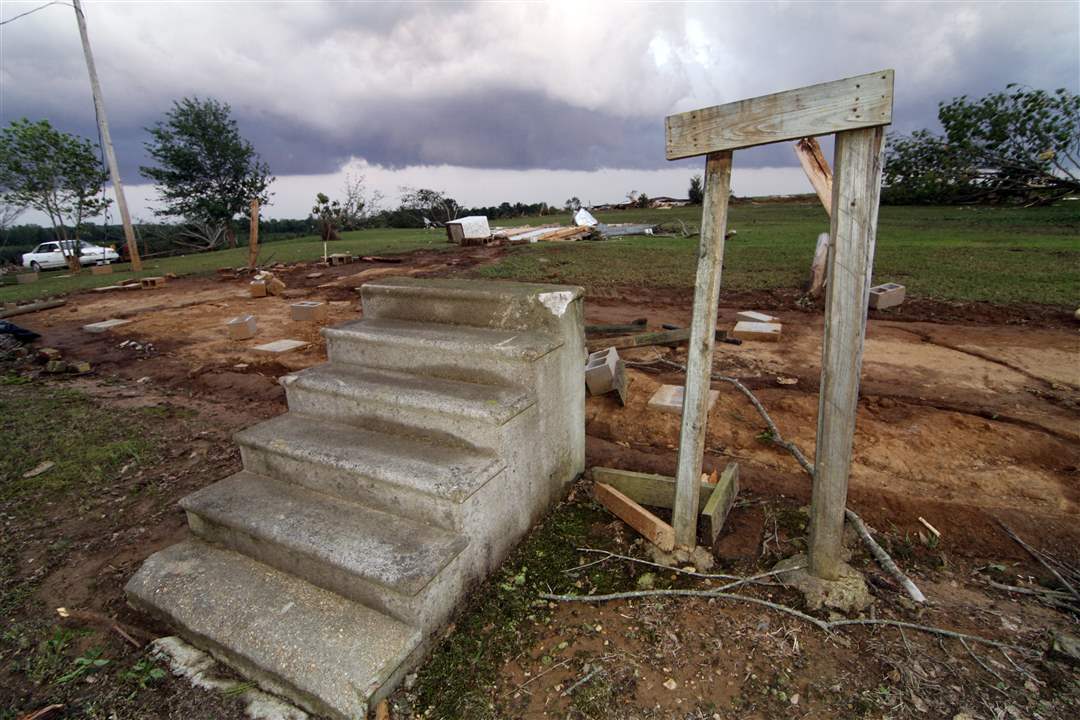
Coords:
49,255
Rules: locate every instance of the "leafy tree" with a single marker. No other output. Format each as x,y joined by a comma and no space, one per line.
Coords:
55,173
329,215
431,205
642,200
206,172
695,193
1019,145
573,204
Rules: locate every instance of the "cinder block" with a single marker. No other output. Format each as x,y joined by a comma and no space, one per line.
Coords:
340,258
669,399
887,295
309,311
24,278
606,372
241,327
152,282
101,269
746,330
258,289
752,316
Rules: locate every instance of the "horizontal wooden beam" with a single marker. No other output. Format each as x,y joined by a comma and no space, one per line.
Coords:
646,488
651,527
858,102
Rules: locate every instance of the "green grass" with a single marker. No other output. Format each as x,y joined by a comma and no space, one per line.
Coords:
361,242
88,444
1000,255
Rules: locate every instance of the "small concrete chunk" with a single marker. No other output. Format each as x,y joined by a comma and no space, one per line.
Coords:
752,316
152,282
280,346
257,289
887,296
669,399
340,258
104,325
747,330
309,311
606,372
241,327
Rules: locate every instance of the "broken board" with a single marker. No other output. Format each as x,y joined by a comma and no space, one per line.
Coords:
669,399
720,501
651,527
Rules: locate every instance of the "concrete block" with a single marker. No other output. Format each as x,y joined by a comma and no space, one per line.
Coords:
104,325
152,282
25,278
753,316
56,366
887,296
257,288
101,269
280,346
340,258
309,311
241,327
606,372
669,399
79,366
746,330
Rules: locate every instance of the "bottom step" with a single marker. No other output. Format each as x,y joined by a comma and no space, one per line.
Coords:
285,634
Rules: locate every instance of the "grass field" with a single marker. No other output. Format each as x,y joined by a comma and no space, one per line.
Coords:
1000,255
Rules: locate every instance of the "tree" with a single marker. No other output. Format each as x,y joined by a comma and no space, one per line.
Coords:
56,173
642,201
329,215
695,193
206,172
1019,145
432,205
359,206
573,204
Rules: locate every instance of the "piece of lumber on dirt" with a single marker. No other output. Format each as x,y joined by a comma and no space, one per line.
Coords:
32,307
817,169
851,258
666,337
863,101
720,501
648,525
647,488
380,258
632,326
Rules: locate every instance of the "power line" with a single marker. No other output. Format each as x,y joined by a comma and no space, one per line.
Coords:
31,12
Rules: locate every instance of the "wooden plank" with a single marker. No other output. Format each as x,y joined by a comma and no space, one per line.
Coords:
700,350
720,501
651,527
851,259
858,102
647,488
817,169
253,234
667,337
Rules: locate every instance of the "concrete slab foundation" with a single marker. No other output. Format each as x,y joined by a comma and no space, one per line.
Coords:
445,424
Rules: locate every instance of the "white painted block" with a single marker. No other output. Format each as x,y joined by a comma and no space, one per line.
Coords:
753,316
669,399
473,227
746,330
280,346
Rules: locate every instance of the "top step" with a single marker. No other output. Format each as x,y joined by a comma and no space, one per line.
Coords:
477,303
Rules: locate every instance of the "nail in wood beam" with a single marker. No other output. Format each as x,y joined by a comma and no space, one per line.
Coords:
856,190
700,350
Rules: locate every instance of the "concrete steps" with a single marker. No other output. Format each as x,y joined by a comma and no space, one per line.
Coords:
324,652
398,474
445,423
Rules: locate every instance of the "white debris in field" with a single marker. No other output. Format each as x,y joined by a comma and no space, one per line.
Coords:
583,218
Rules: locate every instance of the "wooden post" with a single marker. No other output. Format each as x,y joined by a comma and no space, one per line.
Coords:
253,235
857,186
816,167
106,141
699,353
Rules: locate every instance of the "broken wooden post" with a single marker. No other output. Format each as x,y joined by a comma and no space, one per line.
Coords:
699,352
856,109
817,169
253,235
851,259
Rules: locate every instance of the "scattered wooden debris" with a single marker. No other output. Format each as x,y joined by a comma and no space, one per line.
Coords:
381,259
669,399
722,498
651,527
667,337
32,307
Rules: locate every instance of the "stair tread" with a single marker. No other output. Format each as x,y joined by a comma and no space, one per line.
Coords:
494,404
397,553
276,624
442,470
507,343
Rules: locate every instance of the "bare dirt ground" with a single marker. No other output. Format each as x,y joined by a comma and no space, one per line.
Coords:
968,414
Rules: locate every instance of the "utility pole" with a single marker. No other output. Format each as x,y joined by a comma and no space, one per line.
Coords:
106,141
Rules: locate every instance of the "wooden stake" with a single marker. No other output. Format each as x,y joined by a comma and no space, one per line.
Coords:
106,141
253,235
700,350
851,258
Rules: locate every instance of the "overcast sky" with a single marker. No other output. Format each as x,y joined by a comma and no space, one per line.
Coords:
511,101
